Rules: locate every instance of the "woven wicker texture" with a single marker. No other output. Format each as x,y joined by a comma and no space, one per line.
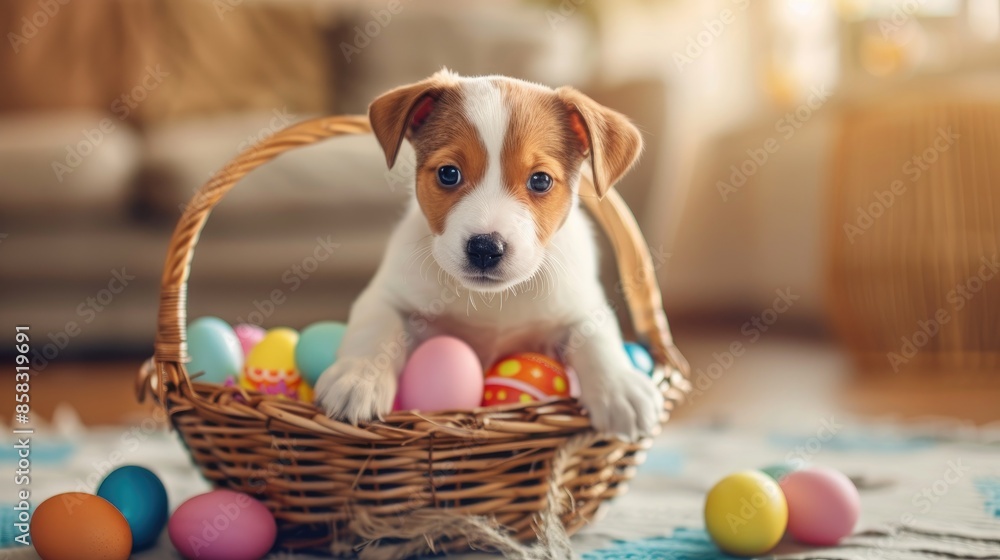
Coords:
915,234
334,486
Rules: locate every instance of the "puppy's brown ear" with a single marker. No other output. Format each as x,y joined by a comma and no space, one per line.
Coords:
611,141
398,112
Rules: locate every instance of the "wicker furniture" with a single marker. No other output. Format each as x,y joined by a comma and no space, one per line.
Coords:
415,482
915,233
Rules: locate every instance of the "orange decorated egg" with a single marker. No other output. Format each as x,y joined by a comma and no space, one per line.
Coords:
523,378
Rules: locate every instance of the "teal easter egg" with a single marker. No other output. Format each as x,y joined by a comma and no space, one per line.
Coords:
142,500
317,348
779,471
640,357
214,349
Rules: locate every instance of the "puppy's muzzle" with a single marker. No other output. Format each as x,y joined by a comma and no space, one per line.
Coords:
485,251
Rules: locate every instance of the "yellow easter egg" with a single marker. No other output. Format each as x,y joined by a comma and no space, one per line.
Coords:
746,513
276,351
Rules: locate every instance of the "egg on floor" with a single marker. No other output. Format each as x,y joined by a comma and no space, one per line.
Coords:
746,513
222,525
78,526
141,498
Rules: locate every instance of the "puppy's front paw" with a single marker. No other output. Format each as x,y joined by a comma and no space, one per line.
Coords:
355,390
625,404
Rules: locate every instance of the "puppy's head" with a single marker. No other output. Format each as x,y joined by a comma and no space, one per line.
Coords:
498,166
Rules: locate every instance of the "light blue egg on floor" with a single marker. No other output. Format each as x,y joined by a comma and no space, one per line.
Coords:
640,357
214,349
317,348
142,500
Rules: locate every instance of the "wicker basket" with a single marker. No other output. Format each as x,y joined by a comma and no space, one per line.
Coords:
373,490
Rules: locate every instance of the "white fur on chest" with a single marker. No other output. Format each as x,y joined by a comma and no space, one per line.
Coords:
533,316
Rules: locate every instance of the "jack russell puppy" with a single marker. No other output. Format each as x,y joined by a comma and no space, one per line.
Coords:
495,248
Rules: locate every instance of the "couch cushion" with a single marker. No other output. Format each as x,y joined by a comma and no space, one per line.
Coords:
60,164
340,177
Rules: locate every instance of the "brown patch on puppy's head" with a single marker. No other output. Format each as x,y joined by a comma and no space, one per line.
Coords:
539,139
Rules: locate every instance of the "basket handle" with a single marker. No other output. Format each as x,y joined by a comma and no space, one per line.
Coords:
634,261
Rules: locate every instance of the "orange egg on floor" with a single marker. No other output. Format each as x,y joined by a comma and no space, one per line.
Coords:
524,378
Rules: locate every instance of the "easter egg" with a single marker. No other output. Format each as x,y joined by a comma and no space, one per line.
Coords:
443,373
317,348
640,357
78,526
777,471
248,335
524,378
214,350
141,498
270,367
222,525
823,505
746,513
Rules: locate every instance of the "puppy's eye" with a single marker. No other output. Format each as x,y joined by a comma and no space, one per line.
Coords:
449,176
540,182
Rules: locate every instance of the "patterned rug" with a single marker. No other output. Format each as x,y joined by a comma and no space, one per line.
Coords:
928,491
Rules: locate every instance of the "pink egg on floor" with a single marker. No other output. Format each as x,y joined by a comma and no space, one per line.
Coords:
443,373
823,505
222,525
249,335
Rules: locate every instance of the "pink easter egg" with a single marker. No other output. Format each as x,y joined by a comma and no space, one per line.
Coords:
443,373
222,525
823,505
249,335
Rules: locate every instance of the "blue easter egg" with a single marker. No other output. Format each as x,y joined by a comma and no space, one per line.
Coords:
640,357
317,348
142,500
214,349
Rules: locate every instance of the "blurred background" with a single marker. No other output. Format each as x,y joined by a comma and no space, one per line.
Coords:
819,187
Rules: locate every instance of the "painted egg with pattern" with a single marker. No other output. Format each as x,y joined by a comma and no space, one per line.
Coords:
524,378
270,367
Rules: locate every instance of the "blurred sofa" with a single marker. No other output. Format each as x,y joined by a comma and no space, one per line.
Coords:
118,110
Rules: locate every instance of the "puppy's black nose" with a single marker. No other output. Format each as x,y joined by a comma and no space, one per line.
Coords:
485,250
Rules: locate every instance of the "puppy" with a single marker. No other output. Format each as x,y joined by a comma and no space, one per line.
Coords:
495,248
